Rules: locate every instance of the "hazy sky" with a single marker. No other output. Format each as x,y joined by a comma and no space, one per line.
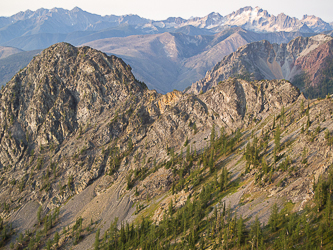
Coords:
158,10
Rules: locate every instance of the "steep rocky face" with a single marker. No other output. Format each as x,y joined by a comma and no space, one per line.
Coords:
315,63
263,60
80,134
56,94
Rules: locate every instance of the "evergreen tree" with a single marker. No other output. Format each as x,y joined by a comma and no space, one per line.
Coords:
96,244
129,144
39,212
171,208
212,136
273,218
188,153
256,232
49,244
328,210
277,138
308,123
320,234
211,161
320,194
56,239
240,230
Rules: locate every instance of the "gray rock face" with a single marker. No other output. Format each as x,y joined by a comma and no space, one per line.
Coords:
262,60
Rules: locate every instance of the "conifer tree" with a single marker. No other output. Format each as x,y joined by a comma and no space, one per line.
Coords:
188,153
49,244
256,233
211,161
320,233
96,244
212,136
39,211
240,230
320,194
328,210
273,218
277,139
56,239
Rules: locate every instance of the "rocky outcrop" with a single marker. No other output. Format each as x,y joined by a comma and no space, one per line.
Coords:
238,102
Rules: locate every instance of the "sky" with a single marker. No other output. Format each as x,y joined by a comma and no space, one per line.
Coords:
159,10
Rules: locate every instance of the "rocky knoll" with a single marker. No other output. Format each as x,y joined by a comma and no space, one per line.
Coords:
263,60
86,142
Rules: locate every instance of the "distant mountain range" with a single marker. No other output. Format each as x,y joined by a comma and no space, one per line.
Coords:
180,51
7,51
11,64
38,29
306,61
175,60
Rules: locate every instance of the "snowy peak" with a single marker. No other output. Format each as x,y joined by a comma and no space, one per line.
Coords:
257,19
254,19
61,21
315,23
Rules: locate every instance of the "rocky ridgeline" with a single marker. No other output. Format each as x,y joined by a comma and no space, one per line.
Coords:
78,129
263,60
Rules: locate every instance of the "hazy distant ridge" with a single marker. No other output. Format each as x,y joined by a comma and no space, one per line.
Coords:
38,29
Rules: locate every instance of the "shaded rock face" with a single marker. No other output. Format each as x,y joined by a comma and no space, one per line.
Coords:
263,60
63,89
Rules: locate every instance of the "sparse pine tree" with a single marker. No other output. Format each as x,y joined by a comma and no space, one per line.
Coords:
328,210
56,239
188,153
96,244
49,244
39,214
273,218
212,135
171,208
240,230
320,234
277,138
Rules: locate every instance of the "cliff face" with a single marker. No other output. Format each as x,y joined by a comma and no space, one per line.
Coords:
78,129
263,60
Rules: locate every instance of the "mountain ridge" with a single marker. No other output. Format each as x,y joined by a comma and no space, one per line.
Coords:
180,60
82,143
263,60
59,20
